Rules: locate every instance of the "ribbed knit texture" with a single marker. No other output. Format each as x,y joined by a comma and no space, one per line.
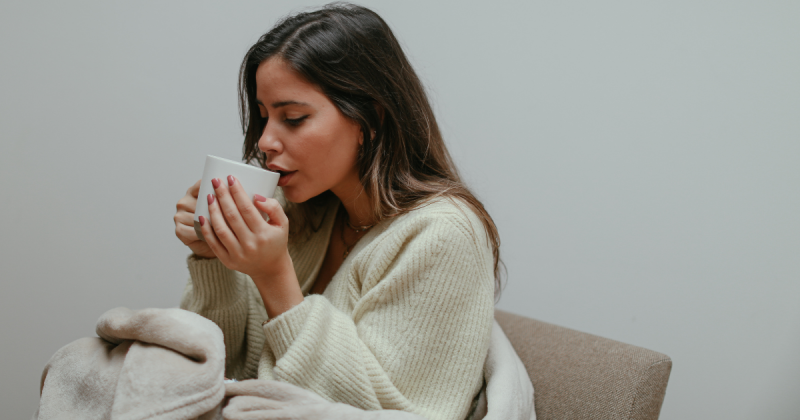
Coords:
404,324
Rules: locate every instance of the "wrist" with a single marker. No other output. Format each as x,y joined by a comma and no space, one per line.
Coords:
278,287
202,257
278,270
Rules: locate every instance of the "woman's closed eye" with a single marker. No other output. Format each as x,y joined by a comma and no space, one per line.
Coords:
295,121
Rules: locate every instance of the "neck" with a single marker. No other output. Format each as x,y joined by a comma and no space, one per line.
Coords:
356,203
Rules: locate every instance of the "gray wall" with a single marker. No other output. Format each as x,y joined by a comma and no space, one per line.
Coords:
640,159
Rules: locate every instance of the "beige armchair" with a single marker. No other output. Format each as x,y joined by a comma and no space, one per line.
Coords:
577,375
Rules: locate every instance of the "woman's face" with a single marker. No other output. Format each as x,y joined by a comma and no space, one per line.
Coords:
306,138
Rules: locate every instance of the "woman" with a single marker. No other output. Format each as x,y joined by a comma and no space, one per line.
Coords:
381,294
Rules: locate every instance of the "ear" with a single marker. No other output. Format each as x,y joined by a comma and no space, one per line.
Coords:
360,137
379,109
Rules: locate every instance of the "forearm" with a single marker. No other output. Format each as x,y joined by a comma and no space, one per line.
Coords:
212,286
230,300
279,288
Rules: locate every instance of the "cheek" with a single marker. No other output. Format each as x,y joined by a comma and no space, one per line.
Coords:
329,166
326,155
333,152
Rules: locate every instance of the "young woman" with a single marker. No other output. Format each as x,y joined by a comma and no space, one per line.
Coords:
373,282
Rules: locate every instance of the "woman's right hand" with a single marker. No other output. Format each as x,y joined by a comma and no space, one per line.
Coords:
184,223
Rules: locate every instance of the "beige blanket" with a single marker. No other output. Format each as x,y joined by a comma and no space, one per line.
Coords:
169,364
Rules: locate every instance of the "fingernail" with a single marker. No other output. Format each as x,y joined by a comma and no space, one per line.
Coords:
202,221
259,197
210,199
215,183
231,180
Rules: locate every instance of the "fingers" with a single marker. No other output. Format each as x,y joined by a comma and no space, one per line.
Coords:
186,233
210,235
194,190
187,204
184,218
230,210
249,212
273,209
223,235
185,224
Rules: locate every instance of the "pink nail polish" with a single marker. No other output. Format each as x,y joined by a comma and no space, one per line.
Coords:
215,183
210,199
231,180
202,221
259,197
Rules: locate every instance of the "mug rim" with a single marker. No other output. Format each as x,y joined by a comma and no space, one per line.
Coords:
247,165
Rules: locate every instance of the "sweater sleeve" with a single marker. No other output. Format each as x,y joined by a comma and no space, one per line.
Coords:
418,333
231,300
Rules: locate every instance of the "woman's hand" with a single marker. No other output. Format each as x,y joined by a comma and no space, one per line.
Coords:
239,235
243,241
184,223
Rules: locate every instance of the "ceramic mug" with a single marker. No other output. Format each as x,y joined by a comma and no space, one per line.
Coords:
253,179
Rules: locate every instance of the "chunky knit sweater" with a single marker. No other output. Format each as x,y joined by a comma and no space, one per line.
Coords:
404,323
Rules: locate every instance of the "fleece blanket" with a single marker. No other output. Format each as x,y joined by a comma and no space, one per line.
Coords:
169,364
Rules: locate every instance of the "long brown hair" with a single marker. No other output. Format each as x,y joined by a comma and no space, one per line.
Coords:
353,56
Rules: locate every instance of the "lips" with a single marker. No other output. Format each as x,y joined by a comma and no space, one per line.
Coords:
286,175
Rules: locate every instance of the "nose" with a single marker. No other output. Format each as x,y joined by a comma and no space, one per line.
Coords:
269,142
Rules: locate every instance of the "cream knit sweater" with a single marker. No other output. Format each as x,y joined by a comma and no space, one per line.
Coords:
404,324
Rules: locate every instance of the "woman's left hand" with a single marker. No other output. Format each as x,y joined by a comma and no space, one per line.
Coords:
239,235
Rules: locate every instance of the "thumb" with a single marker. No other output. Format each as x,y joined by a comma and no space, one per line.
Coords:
272,208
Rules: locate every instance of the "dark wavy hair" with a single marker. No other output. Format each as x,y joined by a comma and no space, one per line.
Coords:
353,56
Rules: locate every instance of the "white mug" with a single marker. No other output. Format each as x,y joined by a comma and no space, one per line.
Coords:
254,180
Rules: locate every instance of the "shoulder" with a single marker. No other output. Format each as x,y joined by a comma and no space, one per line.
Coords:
442,225
447,214
442,242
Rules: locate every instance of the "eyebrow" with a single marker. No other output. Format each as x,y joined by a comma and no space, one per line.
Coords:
284,103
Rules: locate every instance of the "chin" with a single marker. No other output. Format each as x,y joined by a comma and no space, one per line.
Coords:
293,196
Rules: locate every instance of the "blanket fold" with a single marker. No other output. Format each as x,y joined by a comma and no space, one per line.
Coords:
168,364
148,364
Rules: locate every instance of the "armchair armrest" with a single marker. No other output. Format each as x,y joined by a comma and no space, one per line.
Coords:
577,375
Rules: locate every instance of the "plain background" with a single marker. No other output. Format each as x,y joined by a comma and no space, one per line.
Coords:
641,160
